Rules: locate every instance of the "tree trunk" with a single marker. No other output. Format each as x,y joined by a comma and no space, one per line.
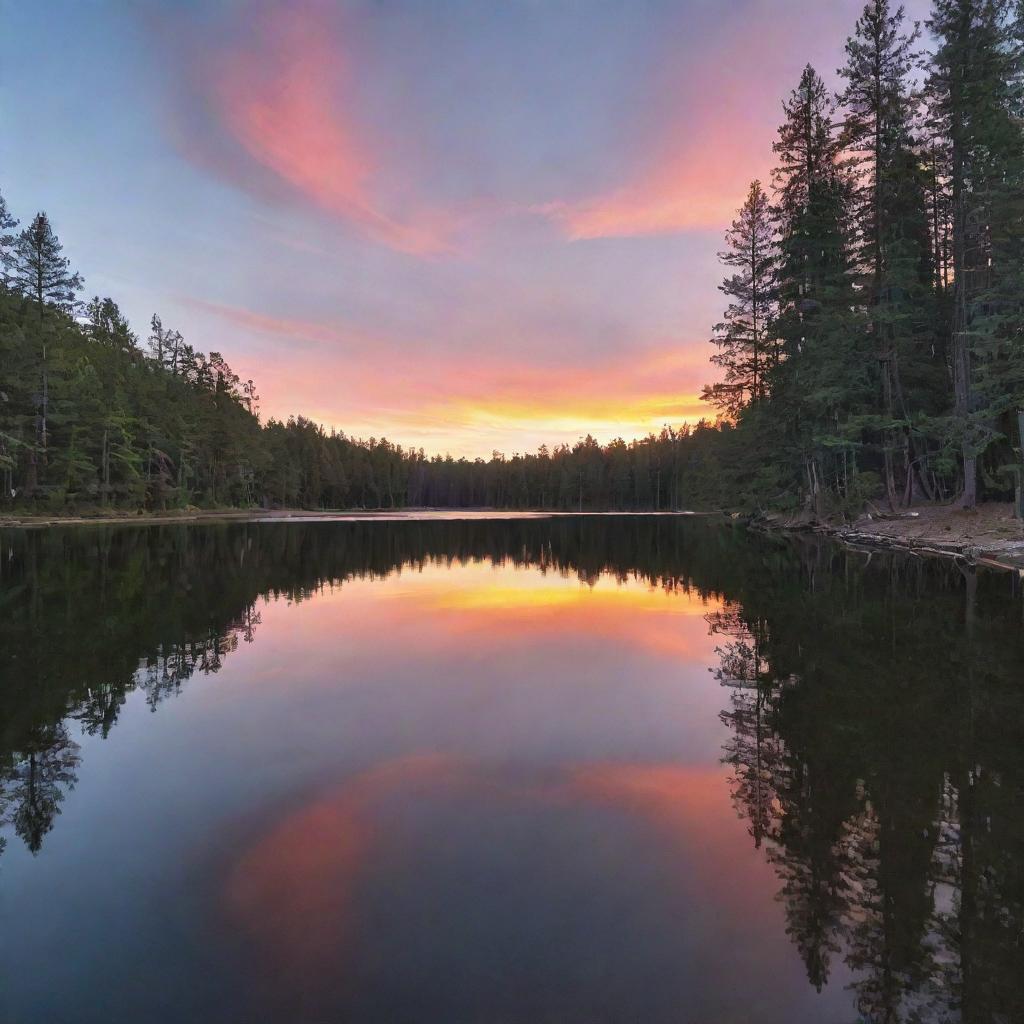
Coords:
961,355
106,466
45,406
889,439
1020,474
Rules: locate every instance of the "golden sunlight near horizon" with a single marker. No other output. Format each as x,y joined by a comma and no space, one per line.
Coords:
464,430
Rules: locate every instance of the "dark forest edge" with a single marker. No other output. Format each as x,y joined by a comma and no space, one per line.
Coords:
872,349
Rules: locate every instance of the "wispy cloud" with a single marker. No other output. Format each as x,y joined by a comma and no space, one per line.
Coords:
676,195
277,107
691,165
710,121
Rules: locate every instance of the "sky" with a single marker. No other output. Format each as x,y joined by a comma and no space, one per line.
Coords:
465,225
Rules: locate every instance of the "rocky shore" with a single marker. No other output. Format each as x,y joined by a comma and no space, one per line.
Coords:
989,535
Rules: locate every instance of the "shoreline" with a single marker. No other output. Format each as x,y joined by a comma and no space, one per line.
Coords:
987,536
192,516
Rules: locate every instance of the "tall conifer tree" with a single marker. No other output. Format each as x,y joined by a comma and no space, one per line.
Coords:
824,376
973,94
891,227
7,224
40,270
746,353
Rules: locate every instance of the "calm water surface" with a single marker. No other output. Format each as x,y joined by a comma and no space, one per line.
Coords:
569,770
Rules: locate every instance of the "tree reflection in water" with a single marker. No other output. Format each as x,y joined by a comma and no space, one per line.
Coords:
875,707
877,721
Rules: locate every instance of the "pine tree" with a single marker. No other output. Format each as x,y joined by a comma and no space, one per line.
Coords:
805,147
823,377
1000,345
41,271
879,111
108,327
7,223
974,102
745,351
11,356
891,222
166,346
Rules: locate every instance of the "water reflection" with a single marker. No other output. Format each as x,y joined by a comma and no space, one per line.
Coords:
877,717
490,789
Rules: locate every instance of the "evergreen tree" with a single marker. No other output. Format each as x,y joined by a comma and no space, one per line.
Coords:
41,271
891,232
823,380
974,103
1000,348
165,345
879,112
745,352
7,223
108,327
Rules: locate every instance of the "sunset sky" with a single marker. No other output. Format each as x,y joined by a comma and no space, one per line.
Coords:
463,225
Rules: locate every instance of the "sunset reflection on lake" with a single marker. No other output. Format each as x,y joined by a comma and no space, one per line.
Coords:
523,770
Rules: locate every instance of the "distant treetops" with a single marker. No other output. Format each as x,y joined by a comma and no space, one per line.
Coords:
88,417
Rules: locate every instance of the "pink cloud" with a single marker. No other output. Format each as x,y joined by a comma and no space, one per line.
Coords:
711,122
280,97
692,168
685,192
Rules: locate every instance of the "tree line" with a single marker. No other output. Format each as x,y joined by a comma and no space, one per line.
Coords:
93,416
873,341
872,346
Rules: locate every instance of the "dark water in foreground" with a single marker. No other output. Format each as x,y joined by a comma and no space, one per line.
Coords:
571,770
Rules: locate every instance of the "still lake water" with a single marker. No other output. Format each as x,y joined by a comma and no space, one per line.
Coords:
591,769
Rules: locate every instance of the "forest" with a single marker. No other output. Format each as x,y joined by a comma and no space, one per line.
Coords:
92,416
873,341
871,347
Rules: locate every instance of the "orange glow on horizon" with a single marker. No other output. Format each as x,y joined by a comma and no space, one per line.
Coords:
512,605
288,106
293,886
466,406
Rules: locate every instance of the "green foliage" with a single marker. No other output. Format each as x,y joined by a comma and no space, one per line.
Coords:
743,338
898,275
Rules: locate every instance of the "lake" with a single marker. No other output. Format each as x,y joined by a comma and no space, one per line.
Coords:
573,769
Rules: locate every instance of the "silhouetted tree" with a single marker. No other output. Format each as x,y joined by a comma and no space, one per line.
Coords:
742,338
